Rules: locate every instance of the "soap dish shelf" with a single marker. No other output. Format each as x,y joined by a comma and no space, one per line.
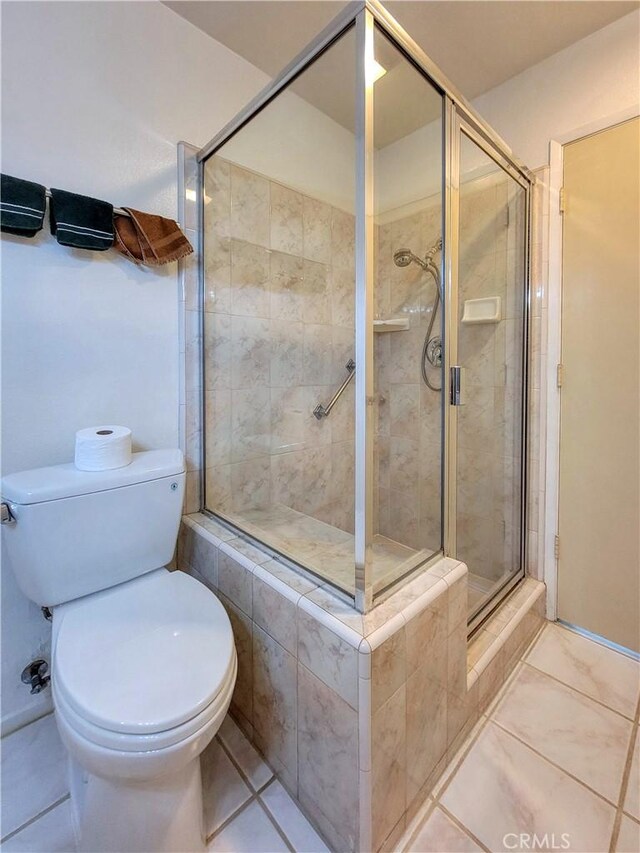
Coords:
485,310
393,324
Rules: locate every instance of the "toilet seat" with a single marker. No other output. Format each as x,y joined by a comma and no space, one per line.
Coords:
144,743
144,665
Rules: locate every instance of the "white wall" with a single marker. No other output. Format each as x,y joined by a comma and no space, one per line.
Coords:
95,97
294,143
594,78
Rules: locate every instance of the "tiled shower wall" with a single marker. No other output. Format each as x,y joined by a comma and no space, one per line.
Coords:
279,330
408,434
491,263
390,345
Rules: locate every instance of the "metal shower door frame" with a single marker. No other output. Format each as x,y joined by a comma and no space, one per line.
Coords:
460,126
365,16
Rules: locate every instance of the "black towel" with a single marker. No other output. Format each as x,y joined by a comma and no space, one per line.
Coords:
22,206
80,221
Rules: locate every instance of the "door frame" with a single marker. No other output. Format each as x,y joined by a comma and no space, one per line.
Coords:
461,126
554,343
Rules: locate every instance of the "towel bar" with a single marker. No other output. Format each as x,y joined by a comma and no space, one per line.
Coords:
118,210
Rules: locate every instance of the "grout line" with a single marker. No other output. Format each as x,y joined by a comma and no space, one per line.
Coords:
461,826
553,763
582,693
255,796
36,817
501,693
276,825
431,807
459,758
230,819
243,775
245,781
624,784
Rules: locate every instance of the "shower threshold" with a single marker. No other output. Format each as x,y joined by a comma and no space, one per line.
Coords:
326,550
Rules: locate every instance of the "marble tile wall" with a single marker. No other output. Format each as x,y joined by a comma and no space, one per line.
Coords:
279,330
408,429
357,714
492,263
407,436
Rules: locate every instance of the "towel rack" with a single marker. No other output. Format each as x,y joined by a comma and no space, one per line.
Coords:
118,210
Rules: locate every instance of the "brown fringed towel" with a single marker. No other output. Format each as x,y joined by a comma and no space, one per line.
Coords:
149,239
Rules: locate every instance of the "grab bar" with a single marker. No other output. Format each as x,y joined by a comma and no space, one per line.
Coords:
321,411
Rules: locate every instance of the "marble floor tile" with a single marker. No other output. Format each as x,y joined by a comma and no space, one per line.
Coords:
223,789
51,833
302,836
34,772
504,787
632,799
249,832
244,754
604,675
580,735
629,836
440,833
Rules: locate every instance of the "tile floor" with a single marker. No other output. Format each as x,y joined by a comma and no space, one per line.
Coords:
556,756
246,809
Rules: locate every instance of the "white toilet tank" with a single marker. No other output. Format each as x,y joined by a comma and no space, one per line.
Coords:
77,532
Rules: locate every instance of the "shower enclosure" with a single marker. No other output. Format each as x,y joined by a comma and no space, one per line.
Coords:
364,301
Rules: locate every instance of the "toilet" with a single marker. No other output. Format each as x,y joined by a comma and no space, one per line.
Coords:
143,659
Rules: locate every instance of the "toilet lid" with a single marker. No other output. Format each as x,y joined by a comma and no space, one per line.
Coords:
145,656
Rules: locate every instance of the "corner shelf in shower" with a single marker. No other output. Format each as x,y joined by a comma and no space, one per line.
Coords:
393,324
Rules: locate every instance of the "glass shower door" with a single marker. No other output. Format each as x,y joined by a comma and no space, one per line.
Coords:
488,420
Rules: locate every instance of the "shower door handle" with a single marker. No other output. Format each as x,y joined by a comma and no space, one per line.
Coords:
457,385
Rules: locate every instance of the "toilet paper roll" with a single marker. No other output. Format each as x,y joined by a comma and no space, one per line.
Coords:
101,448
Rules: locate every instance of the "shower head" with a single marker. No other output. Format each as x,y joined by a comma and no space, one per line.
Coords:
403,257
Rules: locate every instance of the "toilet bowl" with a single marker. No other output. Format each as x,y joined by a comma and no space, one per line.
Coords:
143,674
143,659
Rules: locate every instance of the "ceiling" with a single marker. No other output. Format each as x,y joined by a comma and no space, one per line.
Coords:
478,44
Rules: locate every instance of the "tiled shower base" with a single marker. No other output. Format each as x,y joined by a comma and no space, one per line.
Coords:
330,551
325,549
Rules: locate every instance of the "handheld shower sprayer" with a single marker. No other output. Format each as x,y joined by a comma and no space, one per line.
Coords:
432,347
